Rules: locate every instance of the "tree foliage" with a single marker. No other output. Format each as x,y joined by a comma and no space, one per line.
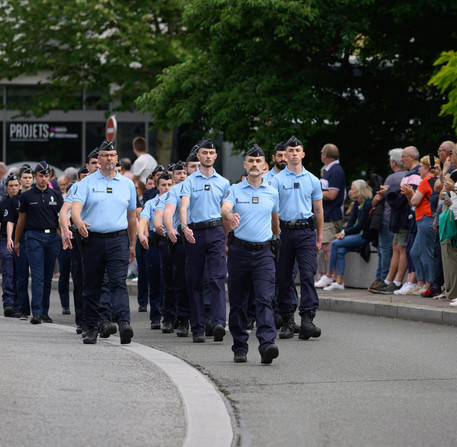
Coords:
354,72
112,48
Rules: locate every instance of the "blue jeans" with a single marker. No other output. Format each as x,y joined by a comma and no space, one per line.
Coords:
423,250
338,251
42,251
385,239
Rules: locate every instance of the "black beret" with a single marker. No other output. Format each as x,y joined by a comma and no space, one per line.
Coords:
157,169
11,177
179,166
42,168
25,169
255,151
170,167
192,157
280,147
93,154
83,170
293,142
106,146
165,176
207,144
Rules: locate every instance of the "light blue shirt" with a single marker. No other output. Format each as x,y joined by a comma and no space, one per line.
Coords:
150,209
105,201
296,194
268,177
206,194
174,198
71,193
255,206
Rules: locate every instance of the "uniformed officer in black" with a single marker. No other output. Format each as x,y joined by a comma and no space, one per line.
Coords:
7,264
39,216
251,208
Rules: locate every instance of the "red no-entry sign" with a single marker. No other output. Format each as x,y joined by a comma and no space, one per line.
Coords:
111,128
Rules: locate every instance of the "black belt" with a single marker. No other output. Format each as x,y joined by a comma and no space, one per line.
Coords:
251,246
206,224
47,230
105,235
298,224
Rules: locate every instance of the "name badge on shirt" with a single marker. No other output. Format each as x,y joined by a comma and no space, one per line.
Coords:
255,200
207,187
296,185
109,190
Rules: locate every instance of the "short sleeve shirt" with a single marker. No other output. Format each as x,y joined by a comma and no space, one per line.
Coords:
143,166
151,207
255,206
105,201
423,209
333,178
296,194
206,194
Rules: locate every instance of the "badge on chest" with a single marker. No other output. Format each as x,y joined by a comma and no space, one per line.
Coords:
207,187
255,200
296,185
109,190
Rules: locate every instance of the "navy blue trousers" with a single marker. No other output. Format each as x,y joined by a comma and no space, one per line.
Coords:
22,283
251,270
297,245
8,269
77,276
64,259
152,260
110,254
210,247
142,283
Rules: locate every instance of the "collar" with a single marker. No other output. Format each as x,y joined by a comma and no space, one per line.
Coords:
101,177
246,184
35,187
289,172
199,174
333,163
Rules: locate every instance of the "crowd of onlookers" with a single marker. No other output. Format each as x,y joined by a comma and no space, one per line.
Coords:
409,217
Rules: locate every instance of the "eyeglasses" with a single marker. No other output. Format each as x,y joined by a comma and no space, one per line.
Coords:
107,155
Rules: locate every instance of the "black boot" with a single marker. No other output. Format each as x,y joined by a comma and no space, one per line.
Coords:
91,336
106,328
125,332
308,328
183,328
288,323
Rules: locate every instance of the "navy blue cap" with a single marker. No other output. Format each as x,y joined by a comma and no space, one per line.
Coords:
83,170
42,168
157,169
255,151
206,143
25,169
179,166
293,142
280,147
165,176
170,167
93,154
192,157
11,177
106,146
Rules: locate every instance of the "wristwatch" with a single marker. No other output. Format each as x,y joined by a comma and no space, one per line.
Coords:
184,226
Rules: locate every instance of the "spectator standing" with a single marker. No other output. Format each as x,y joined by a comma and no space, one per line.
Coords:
3,176
125,169
145,163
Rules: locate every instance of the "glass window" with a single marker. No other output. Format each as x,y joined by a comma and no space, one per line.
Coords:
17,97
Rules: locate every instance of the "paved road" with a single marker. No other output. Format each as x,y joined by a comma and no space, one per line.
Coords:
368,381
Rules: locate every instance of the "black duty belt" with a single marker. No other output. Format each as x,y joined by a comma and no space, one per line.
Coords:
206,224
251,246
47,230
105,235
298,224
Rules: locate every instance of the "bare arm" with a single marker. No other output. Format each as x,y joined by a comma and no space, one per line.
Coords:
157,223
275,223
143,232
330,194
319,213
416,199
132,226
76,209
9,236
188,233
168,214
229,219
64,222
19,229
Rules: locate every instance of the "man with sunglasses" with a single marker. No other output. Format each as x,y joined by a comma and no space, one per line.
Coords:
39,217
104,211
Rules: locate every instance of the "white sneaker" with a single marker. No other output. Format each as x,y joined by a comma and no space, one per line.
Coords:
334,286
453,303
323,282
405,288
413,290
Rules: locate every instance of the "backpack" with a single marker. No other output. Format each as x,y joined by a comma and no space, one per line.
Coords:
448,228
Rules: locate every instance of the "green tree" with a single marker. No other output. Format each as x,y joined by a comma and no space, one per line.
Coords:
111,48
446,80
351,72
